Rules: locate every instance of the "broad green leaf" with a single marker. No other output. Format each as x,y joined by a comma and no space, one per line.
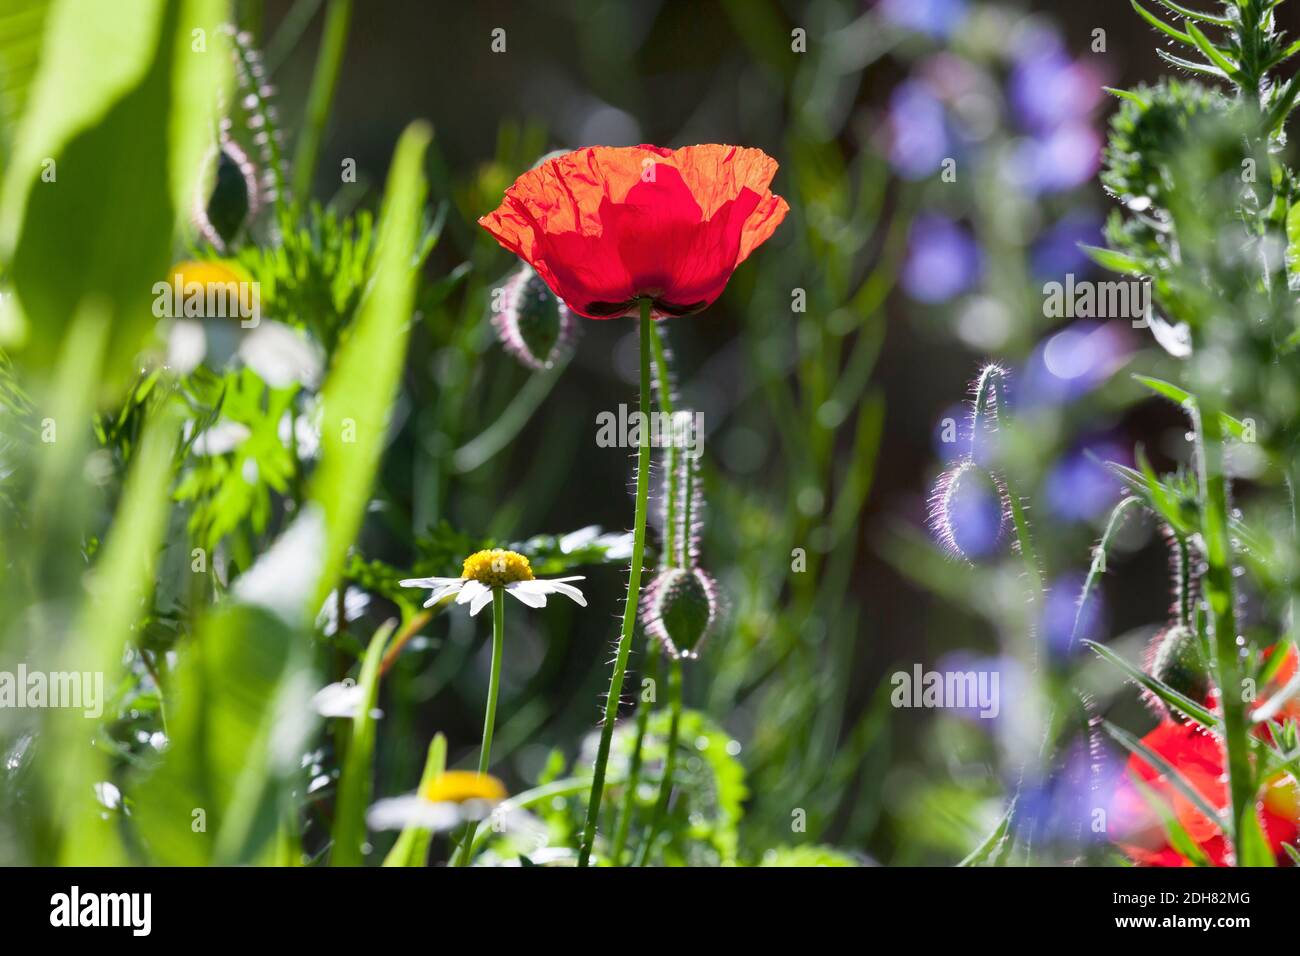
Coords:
240,719
105,164
121,581
22,29
354,784
359,393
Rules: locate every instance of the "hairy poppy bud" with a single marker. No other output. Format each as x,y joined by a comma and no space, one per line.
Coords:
532,324
679,610
234,199
967,511
1175,657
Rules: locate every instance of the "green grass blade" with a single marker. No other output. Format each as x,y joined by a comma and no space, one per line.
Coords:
1162,690
359,393
354,784
1163,766
412,846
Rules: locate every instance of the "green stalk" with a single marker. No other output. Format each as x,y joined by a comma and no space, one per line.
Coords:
633,596
323,83
1218,588
670,764
634,768
490,716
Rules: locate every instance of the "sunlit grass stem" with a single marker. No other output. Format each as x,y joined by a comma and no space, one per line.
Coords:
323,84
633,596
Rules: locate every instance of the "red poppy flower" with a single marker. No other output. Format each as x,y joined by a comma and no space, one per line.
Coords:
1136,827
607,226
1196,754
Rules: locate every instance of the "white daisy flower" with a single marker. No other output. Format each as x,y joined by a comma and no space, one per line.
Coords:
485,571
454,797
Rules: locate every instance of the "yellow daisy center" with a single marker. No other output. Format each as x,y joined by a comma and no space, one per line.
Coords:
497,567
458,786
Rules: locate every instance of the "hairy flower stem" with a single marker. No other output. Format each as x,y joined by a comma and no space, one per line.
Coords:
634,766
490,717
670,764
1218,588
633,597
664,392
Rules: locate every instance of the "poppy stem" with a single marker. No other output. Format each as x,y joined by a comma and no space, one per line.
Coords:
633,598
670,763
490,717
634,768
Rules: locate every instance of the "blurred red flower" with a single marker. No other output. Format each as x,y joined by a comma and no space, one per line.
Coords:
605,226
1135,825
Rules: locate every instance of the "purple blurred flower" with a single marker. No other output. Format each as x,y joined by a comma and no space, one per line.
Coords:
1047,88
1056,160
1079,487
943,260
918,130
966,511
1074,361
1059,611
935,18
1011,681
1056,250
952,433
1062,808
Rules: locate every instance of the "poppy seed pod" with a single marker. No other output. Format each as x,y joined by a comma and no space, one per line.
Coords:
968,511
533,325
234,199
679,609
1175,657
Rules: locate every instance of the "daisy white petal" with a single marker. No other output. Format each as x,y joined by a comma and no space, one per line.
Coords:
338,700
527,593
397,813
480,601
470,591
568,590
428,582
443,592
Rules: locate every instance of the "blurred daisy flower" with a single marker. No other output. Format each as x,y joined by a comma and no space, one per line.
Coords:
450,799
486,571
216,321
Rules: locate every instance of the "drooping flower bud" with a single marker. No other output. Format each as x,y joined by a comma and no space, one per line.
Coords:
1175,657
533,325
968,511
988,399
